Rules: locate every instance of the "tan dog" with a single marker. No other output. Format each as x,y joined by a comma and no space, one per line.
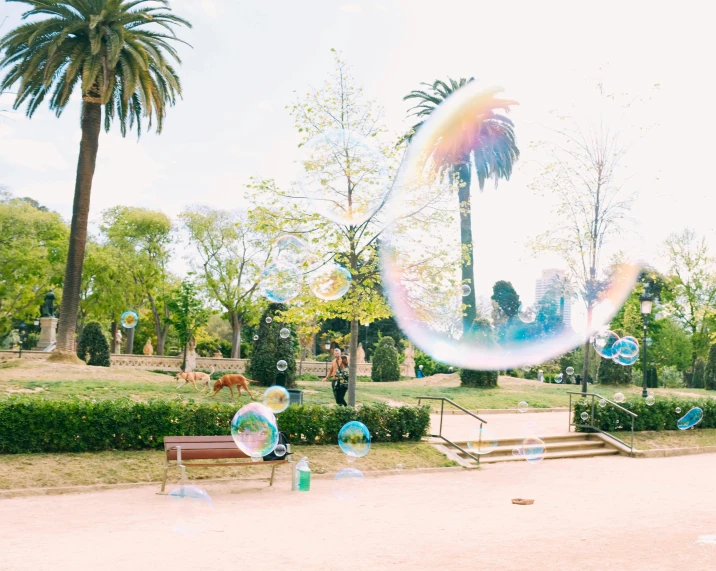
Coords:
193,377
231,381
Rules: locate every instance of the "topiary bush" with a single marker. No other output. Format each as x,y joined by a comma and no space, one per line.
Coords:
385,362
480,379
37,425
93,347
269,349
611,373
661,415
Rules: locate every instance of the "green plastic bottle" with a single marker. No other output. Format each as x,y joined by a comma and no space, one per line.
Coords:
304,475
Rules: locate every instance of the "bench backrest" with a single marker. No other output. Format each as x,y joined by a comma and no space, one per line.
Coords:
202,447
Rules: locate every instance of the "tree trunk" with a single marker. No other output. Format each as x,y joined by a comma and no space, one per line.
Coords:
235,336
585,370
353,363
89,145
468,273
160,328
114,346
129,346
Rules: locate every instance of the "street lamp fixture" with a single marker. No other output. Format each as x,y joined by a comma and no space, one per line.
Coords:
647,304
328,350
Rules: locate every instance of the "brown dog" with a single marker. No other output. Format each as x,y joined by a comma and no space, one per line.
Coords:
231,381
193,377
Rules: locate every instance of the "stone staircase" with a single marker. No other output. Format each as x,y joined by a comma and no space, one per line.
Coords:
574,445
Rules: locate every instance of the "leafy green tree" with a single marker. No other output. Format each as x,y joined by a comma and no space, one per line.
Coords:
115,53
491,152
186,313
270,348
697,381
93,347
710,372
385,362
507,302
33,250
671,345
232,253
141,239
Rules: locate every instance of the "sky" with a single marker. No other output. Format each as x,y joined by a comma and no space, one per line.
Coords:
248,61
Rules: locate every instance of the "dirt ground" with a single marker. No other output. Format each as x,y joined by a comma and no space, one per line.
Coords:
599,513
25,370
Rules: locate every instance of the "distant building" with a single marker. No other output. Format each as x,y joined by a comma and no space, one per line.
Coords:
552,280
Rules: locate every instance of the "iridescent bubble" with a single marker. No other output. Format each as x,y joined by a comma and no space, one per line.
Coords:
269,319
526,368
466,289
354,439
602,403
190,508
129,319
482,441
690,419
533,449
350,459
619,397
649,400
254,430
347,484
649,341
627,346
334,161
558,378
522,406
291,250
584,416
569,371
678,410
517,451
280,282
284,333
527,314
330,282
604,343
280,450
276,398
398,467
282,365
626,361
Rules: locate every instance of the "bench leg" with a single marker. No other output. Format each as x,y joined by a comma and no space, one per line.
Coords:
273,471
164,480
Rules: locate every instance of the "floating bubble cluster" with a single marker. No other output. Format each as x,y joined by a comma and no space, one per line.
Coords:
129,319
330,282
427,257
254,430
482,441
690,419
280,282
276,398
190,508
328,161
354,439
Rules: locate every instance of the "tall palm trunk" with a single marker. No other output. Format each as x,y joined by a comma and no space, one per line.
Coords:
467,257
89,145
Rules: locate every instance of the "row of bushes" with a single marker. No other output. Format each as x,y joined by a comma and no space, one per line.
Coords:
661,415
35,425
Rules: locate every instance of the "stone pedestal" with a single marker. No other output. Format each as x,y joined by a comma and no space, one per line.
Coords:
48,332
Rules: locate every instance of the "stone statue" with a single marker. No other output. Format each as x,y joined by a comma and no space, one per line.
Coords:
407,369
360,354
190,356
48,308
148,349
118,340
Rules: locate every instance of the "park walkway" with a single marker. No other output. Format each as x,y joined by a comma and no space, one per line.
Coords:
592,514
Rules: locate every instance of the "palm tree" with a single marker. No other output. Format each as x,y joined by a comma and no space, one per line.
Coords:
112,53
489,148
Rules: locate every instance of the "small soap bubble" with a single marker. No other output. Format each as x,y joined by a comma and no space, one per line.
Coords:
347,484
602,403
129,319
522,406
650,400
276,398
282,365
569,371
466,289
269,319
280,450
533,449
584,416
678,410
482,441
256,337
284,333
619,397
330,282
191,508
527,314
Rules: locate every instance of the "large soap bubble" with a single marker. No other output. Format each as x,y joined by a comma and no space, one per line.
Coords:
129,319
280,282
190,507
330,282
344,176
533,449
606,343
690,419
482,441
254,430
347,484
440,219
291,250
354,439
276,398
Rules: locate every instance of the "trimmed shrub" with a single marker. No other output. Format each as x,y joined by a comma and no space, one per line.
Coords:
710,372
697,381
480,379
93,347
611,373
269,349
661,415
35,425
385,362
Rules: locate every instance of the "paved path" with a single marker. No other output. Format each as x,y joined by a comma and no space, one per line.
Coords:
595,513
459,426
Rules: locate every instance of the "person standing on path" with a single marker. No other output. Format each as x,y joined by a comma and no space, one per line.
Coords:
339,377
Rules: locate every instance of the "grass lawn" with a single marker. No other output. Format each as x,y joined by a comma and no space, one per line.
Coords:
56,470
651,440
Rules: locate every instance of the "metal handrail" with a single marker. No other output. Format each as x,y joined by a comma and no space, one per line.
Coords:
597,429
443,400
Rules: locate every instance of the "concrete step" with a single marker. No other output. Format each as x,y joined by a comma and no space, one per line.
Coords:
552,455
506,449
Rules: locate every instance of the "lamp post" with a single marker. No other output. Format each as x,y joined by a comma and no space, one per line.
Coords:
328,350
23,333
366,341
646,305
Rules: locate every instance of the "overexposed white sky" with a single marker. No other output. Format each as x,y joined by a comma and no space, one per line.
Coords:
249,58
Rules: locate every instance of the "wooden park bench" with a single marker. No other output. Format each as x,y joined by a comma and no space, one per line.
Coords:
179,449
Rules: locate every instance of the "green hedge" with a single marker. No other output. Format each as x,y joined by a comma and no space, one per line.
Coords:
661,415
481,379
35,425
